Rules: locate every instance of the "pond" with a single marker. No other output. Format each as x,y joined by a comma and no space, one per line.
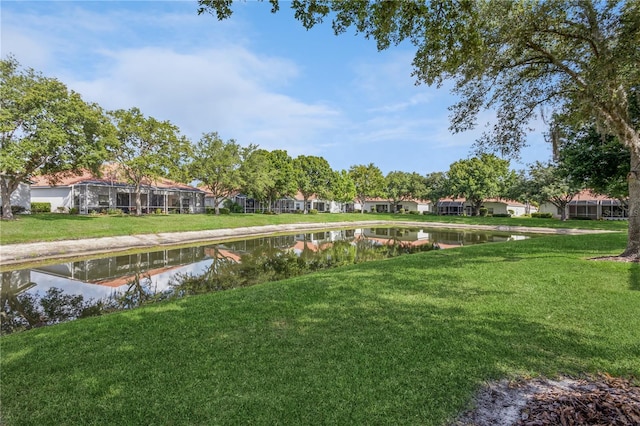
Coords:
50,294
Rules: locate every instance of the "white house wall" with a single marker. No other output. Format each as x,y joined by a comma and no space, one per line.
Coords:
57,196
21,197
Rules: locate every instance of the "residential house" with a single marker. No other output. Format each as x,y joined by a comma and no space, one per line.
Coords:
89,193
383,205
587,204
460,206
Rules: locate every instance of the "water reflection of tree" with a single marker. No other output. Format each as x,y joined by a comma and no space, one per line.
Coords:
268,263
22,310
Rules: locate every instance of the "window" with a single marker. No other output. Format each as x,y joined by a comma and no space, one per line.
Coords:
103,200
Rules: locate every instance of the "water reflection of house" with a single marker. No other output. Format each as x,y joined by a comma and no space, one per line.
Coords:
120,270
16,282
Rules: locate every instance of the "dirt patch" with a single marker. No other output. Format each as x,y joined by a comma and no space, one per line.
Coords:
601,400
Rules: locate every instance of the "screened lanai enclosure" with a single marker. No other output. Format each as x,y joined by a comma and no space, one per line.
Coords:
608,209
98,197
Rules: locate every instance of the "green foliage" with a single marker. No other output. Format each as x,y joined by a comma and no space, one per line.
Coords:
343,189
283,176
483,211
224,210
313,211
233,206
368,180
479,178
45,128
314,176
542,215
147,148
547,183
73,210
402,186
119,212
595,161
216,164
502,214
40,207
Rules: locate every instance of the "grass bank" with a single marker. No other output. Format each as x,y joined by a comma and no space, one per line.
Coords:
400,341
51,227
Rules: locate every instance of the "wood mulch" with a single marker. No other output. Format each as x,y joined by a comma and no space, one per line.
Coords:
594,400
605,401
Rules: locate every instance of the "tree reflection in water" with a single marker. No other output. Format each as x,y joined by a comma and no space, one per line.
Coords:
266,263
276,260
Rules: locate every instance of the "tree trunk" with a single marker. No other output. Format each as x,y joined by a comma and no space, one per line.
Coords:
7,186
633,239
7,214
138,201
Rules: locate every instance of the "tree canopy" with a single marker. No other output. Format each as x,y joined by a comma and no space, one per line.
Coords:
216,164
147,148
548,183
403,186
577,58
45,128
369,182
480,178
314,176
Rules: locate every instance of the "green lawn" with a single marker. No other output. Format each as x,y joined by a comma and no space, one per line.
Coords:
401,341
49,227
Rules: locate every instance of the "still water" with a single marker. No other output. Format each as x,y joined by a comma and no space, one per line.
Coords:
53,293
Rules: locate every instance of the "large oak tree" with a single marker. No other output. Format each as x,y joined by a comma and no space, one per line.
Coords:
45,128
576,57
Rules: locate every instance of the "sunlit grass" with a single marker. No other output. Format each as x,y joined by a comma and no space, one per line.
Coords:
400,341
50,227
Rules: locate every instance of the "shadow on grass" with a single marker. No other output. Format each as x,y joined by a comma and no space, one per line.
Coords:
58,217
634,277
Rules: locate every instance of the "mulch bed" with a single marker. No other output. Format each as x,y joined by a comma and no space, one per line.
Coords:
600,400
605,401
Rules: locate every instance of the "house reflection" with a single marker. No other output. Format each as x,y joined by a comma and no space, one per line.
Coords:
103,277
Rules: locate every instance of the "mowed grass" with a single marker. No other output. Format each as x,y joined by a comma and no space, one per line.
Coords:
401,341
50,227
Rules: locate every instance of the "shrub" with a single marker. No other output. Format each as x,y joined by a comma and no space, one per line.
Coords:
402,210
511,212
502,214
426,213
233,206
118,212
73,210
483,211
542,215
414,212
357,211
209,210
298,211
581,218
224,210
37,207
313,211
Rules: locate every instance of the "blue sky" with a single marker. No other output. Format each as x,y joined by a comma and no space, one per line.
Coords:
258,78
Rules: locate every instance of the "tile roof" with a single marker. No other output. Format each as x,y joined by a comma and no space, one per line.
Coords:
110,176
